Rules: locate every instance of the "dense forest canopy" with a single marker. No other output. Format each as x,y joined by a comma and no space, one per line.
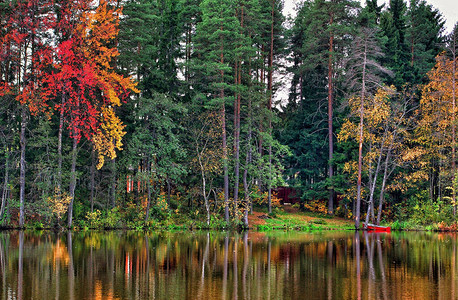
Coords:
128,113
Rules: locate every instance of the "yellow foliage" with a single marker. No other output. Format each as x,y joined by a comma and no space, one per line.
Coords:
98,29
316,206
433,136
109,136
384,123
59,203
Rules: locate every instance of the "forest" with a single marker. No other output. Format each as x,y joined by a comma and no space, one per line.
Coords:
145,113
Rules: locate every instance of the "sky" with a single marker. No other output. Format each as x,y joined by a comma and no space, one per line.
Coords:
448,8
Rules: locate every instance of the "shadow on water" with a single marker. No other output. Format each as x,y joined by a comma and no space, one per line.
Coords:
223,265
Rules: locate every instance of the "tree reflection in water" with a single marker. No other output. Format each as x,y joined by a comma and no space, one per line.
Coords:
221,265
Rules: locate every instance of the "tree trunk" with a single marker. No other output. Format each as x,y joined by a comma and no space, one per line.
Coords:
225,163
237,123
237,139
247,196
245,176
224,137
148,200
72,182
204,186
330,117
270,83
92,183
113,183
261,129
245,173
59,146
454,185
204,193
5,184
373,182
22,166
360,148
382,189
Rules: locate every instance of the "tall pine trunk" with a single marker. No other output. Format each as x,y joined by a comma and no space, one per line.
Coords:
247,164
22,167
72,182
236,138
271,56
246,186
261,129
330,117
238,74
224,138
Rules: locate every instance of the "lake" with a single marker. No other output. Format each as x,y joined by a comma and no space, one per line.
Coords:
222,265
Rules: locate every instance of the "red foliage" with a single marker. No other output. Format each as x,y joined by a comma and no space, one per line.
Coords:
59,56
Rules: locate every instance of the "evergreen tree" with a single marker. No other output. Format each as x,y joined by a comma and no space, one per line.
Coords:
320,37
217,37
424,36
394,25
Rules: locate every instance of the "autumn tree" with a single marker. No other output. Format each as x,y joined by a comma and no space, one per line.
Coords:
23,58
435,135
383,136
363,78
87,83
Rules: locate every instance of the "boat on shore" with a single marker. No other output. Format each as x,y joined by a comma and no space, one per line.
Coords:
377,228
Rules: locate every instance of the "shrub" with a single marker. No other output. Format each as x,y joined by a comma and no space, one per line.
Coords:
113,218
58,204
94,219
319,206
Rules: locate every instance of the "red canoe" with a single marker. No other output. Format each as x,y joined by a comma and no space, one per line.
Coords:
372,227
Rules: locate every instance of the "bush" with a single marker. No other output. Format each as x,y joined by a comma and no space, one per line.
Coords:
397,225
113,218
134,213
160,211
94,219
319,206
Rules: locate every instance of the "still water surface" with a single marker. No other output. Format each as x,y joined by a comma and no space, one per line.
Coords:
219,265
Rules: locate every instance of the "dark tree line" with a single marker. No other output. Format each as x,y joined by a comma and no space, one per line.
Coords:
201,130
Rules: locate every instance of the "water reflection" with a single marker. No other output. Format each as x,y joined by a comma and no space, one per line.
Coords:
220,265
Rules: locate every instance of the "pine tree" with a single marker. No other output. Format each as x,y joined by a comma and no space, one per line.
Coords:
394,25
424,36
320,36
216,41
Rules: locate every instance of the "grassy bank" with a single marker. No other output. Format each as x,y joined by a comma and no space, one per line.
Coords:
293,219
282,218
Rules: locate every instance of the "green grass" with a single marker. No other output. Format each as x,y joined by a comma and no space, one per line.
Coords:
305,221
